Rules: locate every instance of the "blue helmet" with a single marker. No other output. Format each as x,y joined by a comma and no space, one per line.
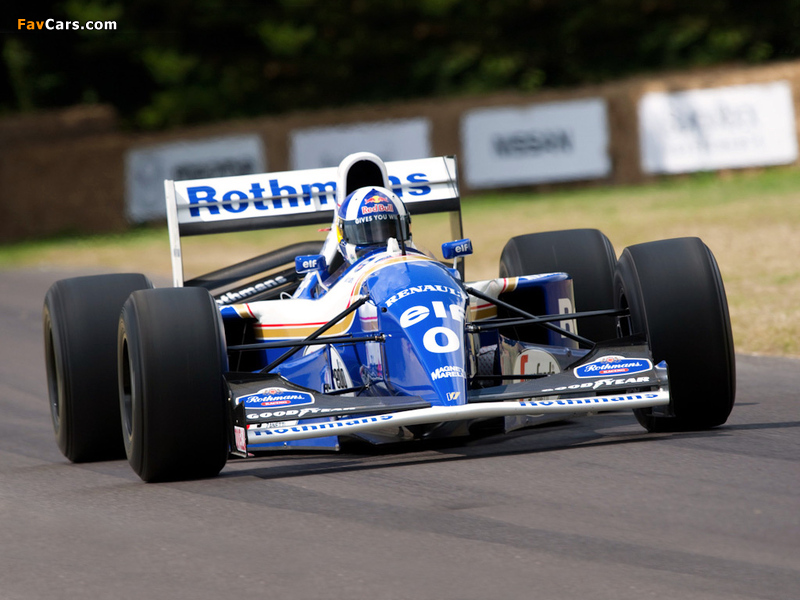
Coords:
368,218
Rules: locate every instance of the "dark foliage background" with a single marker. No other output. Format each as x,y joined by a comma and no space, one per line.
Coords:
181,62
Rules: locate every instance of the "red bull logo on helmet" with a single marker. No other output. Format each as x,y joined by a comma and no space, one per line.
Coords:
376,198
377,203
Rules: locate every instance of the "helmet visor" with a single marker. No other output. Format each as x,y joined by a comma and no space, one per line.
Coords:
377,230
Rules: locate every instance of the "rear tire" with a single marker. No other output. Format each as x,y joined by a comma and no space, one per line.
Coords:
676,297
585,254
80,318
171,363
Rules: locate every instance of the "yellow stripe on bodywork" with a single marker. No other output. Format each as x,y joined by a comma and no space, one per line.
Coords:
480,310
302,330
293,330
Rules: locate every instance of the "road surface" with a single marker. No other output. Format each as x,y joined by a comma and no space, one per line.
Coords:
594,508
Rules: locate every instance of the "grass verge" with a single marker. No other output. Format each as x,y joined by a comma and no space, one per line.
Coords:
750,220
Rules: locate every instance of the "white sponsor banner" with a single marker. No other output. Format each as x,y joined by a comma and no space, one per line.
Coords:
320,147
302,191
560,141
698,130
147,168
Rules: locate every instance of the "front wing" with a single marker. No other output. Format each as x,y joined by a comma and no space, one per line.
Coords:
607,379
465,412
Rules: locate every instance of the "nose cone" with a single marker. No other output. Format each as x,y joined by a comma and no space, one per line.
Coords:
421,309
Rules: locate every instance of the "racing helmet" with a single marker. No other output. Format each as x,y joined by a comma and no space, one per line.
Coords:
367,219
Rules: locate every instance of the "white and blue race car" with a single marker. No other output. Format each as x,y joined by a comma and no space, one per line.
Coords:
366,337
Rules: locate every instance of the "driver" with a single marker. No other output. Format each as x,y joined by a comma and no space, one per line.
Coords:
367,219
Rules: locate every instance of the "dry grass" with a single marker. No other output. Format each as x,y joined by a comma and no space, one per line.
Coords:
751,221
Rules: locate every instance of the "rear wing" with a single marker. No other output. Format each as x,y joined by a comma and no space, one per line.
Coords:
303,197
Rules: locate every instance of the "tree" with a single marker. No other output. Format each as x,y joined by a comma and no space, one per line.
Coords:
169,64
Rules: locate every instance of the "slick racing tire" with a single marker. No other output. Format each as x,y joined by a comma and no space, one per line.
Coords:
585,254
80,318
675,295
171,361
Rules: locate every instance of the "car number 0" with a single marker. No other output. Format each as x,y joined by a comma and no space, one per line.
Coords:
415,314
432,344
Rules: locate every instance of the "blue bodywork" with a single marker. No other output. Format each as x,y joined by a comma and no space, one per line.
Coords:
419,308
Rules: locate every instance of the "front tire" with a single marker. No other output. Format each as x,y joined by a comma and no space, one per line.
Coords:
171,363
80,317
586,255
674,291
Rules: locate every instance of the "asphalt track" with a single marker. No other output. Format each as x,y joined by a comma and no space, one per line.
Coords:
594,508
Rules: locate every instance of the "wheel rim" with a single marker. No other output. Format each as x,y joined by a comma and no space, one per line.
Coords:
624,326
126,390
54,388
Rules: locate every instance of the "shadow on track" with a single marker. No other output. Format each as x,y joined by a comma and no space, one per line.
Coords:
547,438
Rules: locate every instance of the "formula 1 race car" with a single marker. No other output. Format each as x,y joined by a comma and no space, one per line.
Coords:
366,337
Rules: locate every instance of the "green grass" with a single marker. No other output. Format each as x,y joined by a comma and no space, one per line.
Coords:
60,250
750,220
